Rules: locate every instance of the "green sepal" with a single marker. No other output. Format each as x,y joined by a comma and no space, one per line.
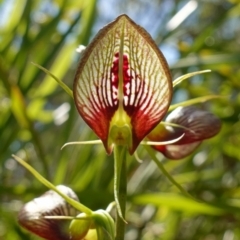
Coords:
80,226
62,84
99,226
49,185
188,75
104,225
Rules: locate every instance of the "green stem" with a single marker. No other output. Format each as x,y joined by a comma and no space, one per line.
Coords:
165,172
120,189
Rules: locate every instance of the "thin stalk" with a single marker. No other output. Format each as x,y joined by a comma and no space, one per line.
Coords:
165,172
120,189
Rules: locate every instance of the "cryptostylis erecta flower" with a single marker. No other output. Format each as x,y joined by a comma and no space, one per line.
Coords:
32,215
51,217
58,214
196,125
123,87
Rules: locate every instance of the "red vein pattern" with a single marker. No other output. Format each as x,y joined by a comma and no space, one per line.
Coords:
199,125
32,214
122,51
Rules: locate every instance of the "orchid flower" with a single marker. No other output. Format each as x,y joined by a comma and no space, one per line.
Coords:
123,87
58,215
32,215
49,216
196,124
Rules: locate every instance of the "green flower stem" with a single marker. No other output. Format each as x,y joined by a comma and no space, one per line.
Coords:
120,189
164,171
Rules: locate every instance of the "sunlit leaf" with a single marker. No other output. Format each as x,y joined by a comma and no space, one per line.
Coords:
19,106
179,203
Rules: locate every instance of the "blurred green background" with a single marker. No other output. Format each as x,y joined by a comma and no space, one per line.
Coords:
37,117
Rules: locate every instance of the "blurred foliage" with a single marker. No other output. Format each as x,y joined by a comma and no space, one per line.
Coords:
38,117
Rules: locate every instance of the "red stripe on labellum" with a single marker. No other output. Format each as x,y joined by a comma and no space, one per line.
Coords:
123,66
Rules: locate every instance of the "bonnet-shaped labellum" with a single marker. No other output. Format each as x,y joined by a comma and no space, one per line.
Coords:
122,88
32,215
196,125
51,217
